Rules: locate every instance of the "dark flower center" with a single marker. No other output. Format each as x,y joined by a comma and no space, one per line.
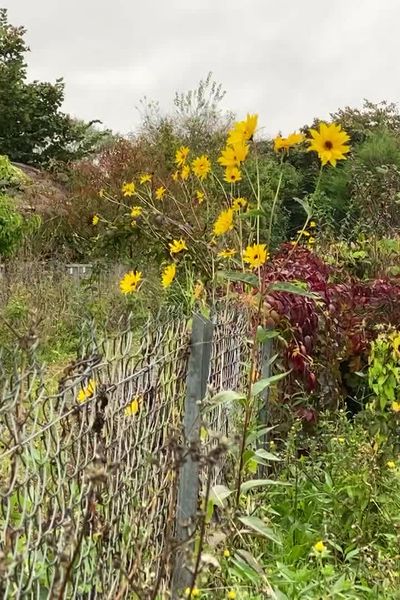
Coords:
328,145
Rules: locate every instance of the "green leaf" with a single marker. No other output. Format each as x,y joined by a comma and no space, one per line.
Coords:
253,483
242,569
262,384
254,435
292,288
250,560
218,494
265,455
265,334
248,278
259,527
225,396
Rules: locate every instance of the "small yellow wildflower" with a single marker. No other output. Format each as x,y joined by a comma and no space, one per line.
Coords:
201,166
231,595
391,464
319,547
128,189
87,392
311,240
136,211
329,143
177,246
256,255
312,224
395,407
239,203
185,172
160,192
224,222
200,196
341,440
175,175
303,232
232,175
95,219
145,178
133,407
195,592
168,275
130,282
227,253
181,155
226,553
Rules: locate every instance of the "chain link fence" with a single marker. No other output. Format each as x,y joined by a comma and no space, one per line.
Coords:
90,461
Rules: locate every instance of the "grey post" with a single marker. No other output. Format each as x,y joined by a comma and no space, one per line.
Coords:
266,354
188,492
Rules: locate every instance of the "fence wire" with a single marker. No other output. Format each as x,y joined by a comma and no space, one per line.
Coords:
88,461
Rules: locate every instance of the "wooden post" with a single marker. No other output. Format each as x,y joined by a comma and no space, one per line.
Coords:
188,492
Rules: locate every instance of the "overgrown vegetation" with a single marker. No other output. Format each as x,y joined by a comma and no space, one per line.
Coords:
195,209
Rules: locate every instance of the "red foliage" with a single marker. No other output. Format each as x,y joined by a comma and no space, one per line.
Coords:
321,335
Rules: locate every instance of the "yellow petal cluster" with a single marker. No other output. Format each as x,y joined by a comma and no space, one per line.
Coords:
87,392
330,143
128,189
177,246
201,166
285,143
224,222
168,275
160,192
181,155
255,255
130,282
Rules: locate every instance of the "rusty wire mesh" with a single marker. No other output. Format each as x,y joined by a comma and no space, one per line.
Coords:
87,468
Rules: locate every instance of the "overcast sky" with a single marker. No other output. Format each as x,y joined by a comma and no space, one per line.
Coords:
288,60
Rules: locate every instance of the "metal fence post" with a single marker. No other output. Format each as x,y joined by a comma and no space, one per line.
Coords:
266,354
188,492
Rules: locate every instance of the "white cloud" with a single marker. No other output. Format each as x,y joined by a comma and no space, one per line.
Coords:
290,61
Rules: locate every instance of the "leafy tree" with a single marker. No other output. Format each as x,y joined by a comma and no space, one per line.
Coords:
33,129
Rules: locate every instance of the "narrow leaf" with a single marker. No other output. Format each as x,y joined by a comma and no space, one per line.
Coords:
266,334
218,494
305,204
264,454
292,288
253,483
260,385
259,527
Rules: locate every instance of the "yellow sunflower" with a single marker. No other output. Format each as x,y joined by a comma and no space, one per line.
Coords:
232,175
145,178
177,246
160,192
168,275
224,222
136,211
128,189
255,256
181,155
185,172
329,143
201,166
239,203
233,156
281,143
227,253
130,282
